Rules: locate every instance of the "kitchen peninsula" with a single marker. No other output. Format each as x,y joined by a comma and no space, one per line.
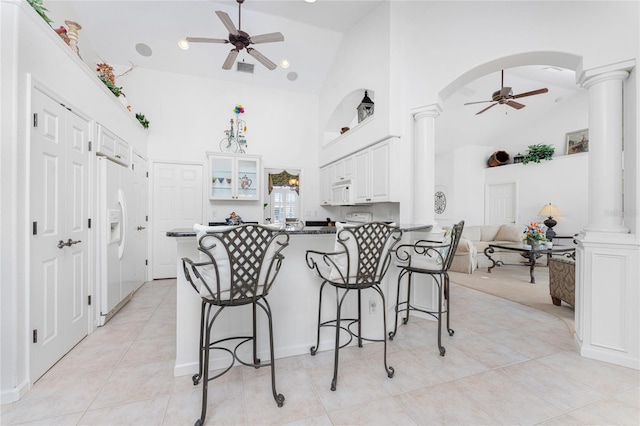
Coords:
293,300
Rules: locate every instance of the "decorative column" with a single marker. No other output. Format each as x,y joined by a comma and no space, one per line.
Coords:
424,163
605,151
607,309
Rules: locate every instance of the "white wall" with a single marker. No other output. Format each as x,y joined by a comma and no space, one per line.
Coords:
562,181
188,116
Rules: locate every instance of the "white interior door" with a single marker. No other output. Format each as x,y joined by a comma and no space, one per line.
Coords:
139,218
500,204
59,243
178,201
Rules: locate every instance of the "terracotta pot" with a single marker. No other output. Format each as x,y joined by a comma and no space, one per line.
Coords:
499,158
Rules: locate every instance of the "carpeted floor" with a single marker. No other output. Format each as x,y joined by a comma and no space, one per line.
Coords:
512,283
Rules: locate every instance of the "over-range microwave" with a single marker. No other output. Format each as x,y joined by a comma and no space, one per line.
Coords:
342,193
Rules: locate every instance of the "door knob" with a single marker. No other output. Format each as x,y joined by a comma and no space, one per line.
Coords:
69,243
140,228
61,244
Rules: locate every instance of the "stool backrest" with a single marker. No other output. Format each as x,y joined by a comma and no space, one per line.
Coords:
239,263
366,252
456,233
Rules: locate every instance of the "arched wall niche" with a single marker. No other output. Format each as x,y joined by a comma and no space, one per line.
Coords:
345,113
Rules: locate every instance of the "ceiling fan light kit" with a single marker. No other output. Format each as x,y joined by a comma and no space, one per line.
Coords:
505,96
240,40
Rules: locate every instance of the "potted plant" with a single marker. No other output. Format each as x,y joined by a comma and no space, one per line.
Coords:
538,152
534,234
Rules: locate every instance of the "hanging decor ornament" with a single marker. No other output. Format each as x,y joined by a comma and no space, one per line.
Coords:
235,140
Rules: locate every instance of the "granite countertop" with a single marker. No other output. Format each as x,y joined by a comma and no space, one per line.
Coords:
307,230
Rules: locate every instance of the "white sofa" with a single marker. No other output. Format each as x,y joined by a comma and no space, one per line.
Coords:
470,253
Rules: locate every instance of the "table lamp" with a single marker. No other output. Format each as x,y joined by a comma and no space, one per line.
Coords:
550,210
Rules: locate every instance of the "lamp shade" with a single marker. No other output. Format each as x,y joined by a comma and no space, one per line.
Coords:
550,210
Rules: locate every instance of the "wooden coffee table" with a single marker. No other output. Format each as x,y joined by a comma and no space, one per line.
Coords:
529,253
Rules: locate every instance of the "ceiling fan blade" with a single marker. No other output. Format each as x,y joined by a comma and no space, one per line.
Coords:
490,106
515,105
261,58
206,40
478,102
231,58
227,22
534,92
266,38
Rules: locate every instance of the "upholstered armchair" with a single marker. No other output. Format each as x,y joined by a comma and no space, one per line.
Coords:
562,280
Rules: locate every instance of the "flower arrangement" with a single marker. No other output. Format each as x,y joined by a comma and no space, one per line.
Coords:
239,109
534,232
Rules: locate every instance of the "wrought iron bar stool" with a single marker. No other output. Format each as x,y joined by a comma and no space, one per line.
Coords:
432,258
360,260
238,266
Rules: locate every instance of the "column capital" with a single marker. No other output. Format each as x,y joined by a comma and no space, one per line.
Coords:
433,111
617,71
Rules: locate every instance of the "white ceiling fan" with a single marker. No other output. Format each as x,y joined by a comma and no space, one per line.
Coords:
241,40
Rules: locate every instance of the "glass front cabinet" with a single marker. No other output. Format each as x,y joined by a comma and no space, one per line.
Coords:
234,177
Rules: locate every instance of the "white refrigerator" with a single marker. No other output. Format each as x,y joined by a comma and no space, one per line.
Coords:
115,269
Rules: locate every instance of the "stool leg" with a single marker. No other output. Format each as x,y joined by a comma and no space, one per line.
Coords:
196,377
392,334
446,296
277,396
389,369
405,320
359,318
339,300
256,360
314,349
440,291
205,369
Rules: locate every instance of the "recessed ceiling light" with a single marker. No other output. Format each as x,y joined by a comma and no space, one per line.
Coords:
310,1
292,76
143,49
183,44
284,63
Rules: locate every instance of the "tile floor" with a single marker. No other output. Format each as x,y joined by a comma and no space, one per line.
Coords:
506,364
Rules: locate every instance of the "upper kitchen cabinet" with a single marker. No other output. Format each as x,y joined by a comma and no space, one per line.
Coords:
372,174
234,177
325,185
113,147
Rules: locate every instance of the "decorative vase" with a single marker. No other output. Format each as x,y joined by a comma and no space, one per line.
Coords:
499,158
535,244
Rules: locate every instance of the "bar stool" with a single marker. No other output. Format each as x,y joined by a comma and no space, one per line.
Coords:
360,260
238,266
432,258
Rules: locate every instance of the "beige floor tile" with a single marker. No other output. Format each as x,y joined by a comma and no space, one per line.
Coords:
443,404
149,412
225,405
319,420
524,343
488,352
381,412
609,411
605,377
155,349
630,397
552,386
136,383
506,401
68,420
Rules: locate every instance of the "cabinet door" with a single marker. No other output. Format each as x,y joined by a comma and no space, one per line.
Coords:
247,179
325,187
123,154
361,181
379,173
113,147
222,174
234,178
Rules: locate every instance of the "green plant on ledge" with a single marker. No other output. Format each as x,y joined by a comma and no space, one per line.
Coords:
141,118
538,152
39,7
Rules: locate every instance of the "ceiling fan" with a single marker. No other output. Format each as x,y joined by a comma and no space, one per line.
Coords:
505,96
241,40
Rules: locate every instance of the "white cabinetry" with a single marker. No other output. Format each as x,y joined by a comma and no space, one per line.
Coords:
234,177
372,174
343,169
325,186
113,147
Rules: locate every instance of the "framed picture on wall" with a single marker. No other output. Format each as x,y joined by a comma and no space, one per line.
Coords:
578,141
